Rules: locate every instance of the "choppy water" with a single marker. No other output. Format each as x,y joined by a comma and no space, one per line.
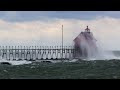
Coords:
98,69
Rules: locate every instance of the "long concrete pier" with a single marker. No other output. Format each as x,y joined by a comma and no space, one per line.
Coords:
36,52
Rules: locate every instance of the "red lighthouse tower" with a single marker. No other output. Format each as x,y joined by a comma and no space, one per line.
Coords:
85,44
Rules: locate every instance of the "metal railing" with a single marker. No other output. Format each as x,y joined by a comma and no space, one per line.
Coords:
36,52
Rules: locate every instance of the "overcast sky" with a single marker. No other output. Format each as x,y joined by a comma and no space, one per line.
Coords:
44,27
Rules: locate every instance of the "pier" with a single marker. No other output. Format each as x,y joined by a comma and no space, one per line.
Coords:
32,53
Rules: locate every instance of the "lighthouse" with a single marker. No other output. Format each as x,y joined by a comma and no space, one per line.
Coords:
85,45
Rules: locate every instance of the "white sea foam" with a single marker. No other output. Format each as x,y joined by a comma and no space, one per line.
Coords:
15,62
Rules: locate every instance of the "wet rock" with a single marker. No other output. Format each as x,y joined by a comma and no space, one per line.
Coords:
5,63
47,61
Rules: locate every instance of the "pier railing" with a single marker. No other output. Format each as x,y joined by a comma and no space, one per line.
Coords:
36,52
